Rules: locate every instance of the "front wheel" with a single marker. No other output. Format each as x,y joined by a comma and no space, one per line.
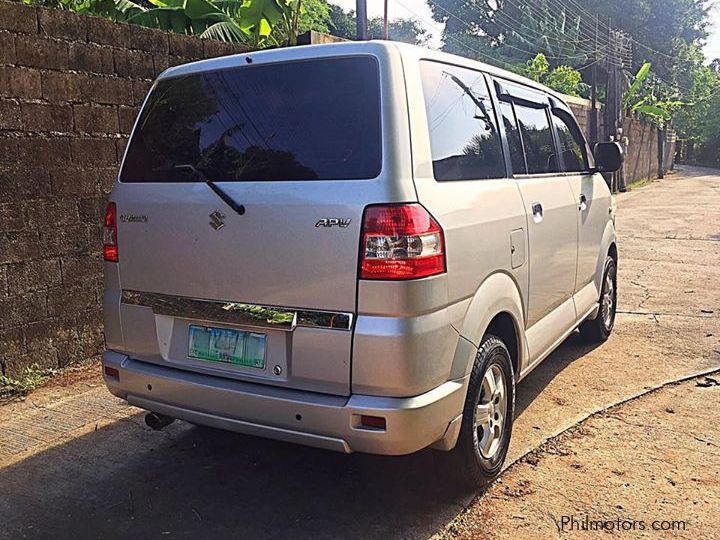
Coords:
487,421
599,329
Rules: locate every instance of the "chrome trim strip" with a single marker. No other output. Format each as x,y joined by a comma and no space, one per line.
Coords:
251,315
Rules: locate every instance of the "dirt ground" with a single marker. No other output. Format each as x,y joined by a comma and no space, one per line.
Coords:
601,435
648,467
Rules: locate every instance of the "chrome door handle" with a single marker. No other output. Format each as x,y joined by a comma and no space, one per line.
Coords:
537,210
583,203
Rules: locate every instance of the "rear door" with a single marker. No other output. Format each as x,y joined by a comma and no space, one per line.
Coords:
551,216
297,147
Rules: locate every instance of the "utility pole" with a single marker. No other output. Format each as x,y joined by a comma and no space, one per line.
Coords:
386,30
361,16
619,53
594,138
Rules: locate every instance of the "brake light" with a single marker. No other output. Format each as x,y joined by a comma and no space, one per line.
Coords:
401,242
110,249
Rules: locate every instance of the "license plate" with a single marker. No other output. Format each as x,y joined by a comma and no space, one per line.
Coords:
227,346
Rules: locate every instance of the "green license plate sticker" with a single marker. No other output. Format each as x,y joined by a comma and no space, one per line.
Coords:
227,346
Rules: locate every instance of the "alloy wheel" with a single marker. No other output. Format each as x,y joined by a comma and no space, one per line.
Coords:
490,412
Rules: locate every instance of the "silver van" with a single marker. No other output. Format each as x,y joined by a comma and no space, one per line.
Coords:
358,246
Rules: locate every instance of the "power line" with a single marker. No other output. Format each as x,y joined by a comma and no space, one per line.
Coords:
585,54
624,54
489,58
449,13
541,15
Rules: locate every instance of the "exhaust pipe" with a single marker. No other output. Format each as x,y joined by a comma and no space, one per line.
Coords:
158,421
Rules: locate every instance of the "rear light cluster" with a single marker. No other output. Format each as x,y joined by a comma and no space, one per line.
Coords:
401,242
110,248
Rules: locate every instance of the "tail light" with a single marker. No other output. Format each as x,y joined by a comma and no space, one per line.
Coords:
401,242
110,249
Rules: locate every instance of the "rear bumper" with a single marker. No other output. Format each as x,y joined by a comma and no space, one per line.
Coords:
313,419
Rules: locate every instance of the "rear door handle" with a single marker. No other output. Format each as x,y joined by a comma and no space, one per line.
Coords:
537,210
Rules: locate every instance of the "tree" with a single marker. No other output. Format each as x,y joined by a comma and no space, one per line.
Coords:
563,79
514,31
343,24
405,30
568,81
658,27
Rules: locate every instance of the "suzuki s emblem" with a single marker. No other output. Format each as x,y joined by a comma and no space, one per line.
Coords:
333,222
217,220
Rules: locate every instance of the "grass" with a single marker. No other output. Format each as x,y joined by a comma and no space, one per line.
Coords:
637,184
29,379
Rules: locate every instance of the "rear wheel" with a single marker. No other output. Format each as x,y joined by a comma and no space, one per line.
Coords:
599,329
487,421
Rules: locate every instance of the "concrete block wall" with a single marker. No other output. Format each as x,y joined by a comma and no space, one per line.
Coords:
641,161
70,87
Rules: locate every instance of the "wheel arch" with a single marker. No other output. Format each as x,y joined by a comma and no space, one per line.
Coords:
504,327
497,308
608,247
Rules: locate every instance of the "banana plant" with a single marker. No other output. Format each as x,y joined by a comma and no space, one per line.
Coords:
642,98
253,22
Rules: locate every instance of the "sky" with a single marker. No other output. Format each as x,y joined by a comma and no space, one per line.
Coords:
419,10
712,49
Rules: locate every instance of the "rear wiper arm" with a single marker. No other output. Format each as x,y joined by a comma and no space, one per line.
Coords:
238,208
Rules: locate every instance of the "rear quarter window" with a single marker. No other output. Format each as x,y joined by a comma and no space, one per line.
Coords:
464,139
303,120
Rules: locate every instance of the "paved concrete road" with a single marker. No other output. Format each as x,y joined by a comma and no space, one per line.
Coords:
77,463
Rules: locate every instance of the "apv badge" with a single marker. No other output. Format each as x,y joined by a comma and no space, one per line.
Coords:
333,222
217,220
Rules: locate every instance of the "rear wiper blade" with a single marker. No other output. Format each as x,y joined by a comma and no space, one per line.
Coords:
227,199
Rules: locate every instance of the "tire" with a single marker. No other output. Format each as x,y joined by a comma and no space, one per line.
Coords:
478,457
599,329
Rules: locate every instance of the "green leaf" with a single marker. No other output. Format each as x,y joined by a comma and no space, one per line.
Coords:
225,31
654,111
637,84
198,9
264,28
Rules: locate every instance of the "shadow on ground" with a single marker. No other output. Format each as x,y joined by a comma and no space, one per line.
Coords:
126,481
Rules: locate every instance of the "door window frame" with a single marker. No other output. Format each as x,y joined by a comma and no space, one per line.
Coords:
566,116
504,91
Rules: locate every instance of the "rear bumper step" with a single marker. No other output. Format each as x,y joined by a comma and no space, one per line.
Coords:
313,419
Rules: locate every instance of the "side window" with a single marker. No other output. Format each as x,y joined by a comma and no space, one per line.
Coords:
513,136
537,137
464,139
572,144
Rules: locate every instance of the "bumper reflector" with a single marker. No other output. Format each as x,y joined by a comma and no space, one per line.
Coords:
112,372
373,422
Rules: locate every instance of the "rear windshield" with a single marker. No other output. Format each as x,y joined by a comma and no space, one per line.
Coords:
305,120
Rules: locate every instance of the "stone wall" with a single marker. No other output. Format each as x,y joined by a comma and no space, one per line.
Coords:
641,160
70,86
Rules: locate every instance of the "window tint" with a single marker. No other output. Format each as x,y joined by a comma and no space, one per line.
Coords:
513,136
537,140
464,138
309,120
572,144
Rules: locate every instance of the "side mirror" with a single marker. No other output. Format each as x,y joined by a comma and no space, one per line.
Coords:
609,157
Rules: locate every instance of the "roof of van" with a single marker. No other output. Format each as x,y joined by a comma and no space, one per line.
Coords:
407,51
